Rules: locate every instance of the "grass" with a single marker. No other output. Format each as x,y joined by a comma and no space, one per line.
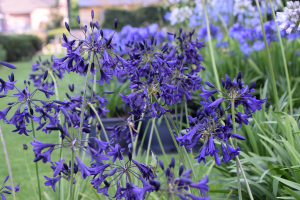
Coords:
20,159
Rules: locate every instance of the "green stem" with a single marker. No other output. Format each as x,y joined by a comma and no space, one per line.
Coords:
28,171
150,139
284,60
181,116
36,165
84,92
8,165
210,47
243,173
72,175
174,140
138,130
99,119
60,192
160,143
133,147
143,139
269,57
237,166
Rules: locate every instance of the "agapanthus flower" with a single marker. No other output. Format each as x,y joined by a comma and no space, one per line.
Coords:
39,69
290,17
213,123
125,128
174,185
130,169
7,189
162,77
79,52
32,108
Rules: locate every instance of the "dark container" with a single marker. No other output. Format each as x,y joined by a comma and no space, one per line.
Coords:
164,133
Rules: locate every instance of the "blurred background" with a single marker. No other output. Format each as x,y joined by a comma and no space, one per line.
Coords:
45,19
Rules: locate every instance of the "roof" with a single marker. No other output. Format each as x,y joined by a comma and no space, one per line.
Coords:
90,3
24,6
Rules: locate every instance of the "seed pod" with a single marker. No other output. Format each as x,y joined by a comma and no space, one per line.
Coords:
25,147
31,111
129,155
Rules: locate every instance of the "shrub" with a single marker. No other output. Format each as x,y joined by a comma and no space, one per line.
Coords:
3,53
136,18
20,47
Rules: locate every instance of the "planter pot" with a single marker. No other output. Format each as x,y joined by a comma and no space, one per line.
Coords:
164,134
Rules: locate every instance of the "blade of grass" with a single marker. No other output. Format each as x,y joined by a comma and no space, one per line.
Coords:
269,57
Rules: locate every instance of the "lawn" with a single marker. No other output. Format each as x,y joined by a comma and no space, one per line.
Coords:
23,167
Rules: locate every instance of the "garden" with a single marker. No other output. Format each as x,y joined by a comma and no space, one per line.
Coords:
199,104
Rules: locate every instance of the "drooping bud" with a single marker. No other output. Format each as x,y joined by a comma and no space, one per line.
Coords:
239,76
129,155
67,26
161,164
45,74
172,163
78,19
108,92
252,86
71,88
180,29
65,37
92,14
181,168
209,84
8,65
101,33
12,77
116,23
106,183
31,111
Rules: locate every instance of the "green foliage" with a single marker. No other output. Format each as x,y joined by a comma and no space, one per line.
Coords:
136,18
55,18
115,98
74,11
3,53
20,47
255,66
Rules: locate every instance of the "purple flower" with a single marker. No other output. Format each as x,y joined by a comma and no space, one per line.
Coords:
116,152
52,181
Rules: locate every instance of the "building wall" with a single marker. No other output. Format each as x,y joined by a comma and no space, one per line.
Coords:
39,17
18,22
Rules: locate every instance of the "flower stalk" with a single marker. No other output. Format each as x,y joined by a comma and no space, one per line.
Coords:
8,165
269,57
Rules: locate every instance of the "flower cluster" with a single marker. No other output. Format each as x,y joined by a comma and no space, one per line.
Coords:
166,76
290,17
38,77
212,123
26,101
174,186
7,189
251,39
130,169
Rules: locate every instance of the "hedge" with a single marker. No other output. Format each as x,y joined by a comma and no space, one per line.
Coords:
20,47
136,18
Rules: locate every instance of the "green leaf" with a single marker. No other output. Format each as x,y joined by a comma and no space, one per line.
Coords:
289,183
292,192
298,132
